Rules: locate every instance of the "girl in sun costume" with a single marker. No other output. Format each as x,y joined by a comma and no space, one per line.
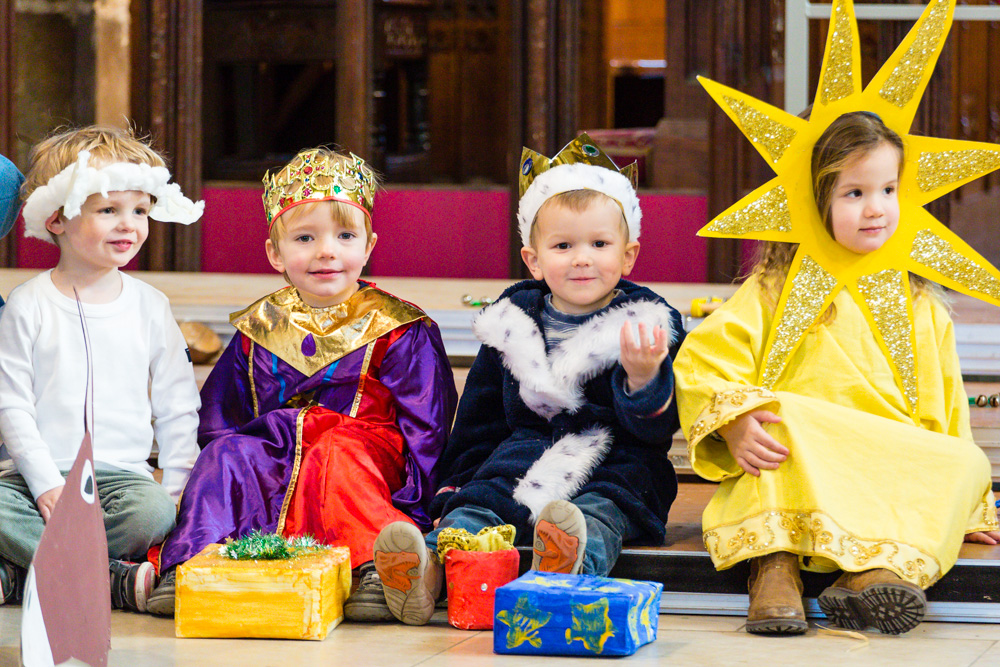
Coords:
862,457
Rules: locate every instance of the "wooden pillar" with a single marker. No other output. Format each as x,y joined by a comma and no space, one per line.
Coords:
725,146
355,71
166,102
545,91
8,245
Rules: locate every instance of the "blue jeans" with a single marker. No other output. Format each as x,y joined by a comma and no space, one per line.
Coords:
607,528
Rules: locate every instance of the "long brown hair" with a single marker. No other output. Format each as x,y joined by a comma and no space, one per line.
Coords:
848,139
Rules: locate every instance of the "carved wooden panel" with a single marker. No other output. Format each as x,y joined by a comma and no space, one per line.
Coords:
743,57
166,102
468,82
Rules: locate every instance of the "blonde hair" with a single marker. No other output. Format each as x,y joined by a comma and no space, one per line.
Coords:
577,201
107,145
849,138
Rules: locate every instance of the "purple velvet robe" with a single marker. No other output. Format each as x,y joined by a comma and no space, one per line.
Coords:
241,478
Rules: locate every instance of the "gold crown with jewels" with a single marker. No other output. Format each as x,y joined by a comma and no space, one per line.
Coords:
318,175
580,150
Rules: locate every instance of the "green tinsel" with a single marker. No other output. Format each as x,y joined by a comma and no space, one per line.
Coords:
268,546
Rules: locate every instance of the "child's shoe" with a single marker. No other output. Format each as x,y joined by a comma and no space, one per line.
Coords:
874,598
411,576
161,601
560,538
776,596
11,582
367,604
131,584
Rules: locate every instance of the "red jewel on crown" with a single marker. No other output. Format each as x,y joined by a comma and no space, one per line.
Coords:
308,170
306,192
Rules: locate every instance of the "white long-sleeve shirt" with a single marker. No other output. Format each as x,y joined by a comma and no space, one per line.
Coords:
144,385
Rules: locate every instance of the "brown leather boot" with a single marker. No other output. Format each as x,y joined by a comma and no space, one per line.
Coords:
776,596
874,598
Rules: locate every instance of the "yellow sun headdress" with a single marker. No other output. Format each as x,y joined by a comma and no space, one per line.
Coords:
783,209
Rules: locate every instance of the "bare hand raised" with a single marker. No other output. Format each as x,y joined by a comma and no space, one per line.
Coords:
642,360
751,446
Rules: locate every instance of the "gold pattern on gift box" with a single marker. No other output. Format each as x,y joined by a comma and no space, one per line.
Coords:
524,622
591,624
932,168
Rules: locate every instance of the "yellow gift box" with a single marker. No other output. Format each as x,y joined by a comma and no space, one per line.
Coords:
298,598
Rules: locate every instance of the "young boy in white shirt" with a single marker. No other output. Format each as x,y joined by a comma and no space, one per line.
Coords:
92,191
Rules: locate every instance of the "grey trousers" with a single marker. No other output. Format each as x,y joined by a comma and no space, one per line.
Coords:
138,513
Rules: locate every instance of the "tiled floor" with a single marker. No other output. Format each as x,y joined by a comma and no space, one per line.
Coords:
683,640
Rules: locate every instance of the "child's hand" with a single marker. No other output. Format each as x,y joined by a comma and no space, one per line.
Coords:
750,444
984,537
642,361
47,502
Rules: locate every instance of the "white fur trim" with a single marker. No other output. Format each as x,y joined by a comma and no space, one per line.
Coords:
553,383
70,188
508,329
578,176
596,345
562,469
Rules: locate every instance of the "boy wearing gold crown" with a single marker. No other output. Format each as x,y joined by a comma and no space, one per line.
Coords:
328,411
567,414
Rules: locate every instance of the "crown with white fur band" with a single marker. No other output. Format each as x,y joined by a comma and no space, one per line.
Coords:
70,188
580,165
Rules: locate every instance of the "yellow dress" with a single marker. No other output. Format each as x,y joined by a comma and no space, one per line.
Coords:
863,487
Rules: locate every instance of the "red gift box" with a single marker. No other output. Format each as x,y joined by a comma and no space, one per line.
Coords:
473,578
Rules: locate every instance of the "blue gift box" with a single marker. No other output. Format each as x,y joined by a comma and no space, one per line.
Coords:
543,613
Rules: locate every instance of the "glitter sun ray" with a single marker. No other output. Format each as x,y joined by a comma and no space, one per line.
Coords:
783,209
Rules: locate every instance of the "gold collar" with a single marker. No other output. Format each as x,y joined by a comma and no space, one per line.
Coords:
309,339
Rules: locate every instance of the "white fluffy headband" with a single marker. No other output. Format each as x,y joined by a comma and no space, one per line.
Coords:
578,176
70,188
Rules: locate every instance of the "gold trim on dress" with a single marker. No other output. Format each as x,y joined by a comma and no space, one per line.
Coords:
291,329
253,386
361,380
295,472
725,404
814,533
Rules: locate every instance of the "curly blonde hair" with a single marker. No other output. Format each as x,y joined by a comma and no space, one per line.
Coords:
106,145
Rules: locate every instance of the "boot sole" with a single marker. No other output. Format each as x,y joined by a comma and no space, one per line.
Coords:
890,608
565,516
778,626
416,605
